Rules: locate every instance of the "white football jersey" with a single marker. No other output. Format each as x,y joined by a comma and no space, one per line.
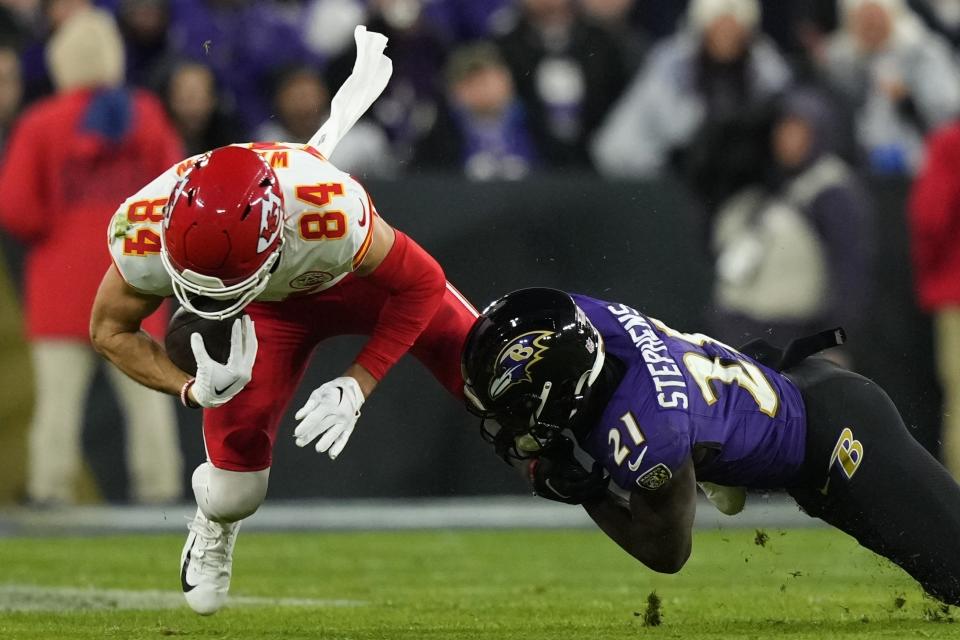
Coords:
327,228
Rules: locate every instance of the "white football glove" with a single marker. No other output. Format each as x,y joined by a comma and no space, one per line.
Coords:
331,411
216,383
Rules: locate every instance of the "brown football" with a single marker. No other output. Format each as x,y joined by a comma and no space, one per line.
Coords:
216,336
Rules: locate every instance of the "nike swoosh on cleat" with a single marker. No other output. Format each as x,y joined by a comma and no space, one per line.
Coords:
187,587
219,391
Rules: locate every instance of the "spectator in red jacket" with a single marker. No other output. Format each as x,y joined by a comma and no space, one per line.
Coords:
935,231
71,158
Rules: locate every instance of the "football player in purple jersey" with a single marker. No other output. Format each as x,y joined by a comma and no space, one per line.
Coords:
659,411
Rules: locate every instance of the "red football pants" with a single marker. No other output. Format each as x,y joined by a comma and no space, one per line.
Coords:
240,435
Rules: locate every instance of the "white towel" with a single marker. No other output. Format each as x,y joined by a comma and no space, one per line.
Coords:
371,72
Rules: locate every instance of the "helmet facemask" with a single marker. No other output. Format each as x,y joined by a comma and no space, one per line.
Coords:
531,423
528,364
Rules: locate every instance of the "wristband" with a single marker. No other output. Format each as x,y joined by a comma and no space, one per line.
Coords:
185,395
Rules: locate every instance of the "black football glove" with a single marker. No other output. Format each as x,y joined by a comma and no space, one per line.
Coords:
557,475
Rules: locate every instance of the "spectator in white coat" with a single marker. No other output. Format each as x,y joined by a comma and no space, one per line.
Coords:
900,78
714,68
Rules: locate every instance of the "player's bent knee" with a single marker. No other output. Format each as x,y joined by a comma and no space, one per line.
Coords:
229,496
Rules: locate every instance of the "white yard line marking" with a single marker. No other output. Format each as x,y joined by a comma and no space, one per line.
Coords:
25,597
514,512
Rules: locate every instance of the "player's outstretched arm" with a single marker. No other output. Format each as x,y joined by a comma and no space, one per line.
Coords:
656,526
115,333
416,285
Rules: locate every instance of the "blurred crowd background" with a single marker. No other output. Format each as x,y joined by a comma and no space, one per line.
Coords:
775,120
503,88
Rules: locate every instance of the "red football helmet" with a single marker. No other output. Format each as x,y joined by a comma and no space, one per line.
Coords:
223,229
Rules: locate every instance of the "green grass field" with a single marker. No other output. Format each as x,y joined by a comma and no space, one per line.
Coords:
479,585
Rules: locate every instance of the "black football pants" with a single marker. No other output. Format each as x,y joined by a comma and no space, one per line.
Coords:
865,474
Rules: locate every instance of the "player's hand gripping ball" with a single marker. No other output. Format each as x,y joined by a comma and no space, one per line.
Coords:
217,383
218,377
183,324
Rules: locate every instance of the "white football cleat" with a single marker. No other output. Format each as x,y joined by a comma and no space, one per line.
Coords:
727,500
206,563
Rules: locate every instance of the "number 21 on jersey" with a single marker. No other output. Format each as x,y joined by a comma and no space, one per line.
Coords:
622,451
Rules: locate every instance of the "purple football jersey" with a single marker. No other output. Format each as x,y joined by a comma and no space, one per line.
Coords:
683,392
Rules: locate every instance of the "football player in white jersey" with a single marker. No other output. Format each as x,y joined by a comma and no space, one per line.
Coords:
278,233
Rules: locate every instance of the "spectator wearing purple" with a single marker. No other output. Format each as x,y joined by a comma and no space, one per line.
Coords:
243,42
301,103
408,107
467,20
483,131
793,251
193,102
568,71
901,79
144,25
